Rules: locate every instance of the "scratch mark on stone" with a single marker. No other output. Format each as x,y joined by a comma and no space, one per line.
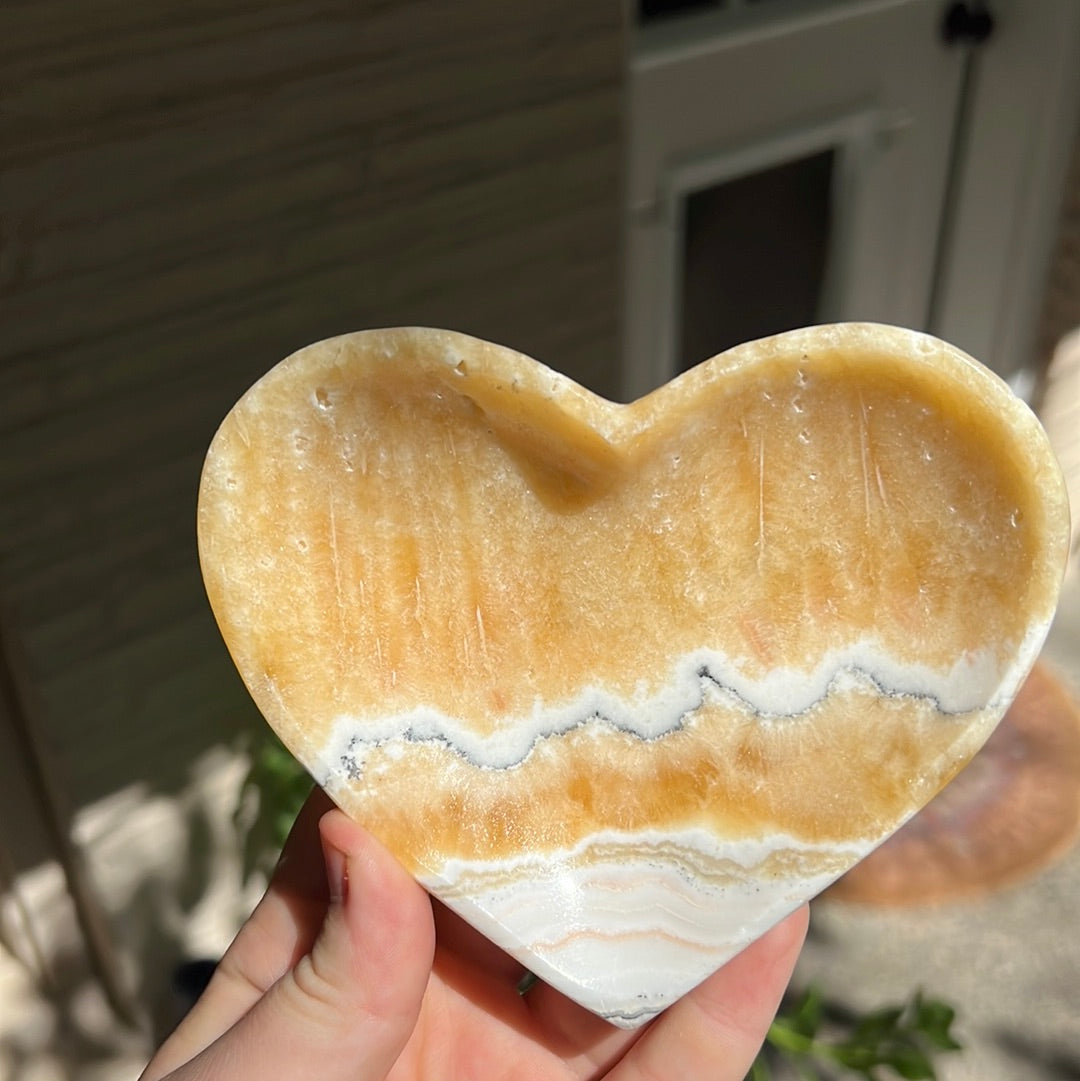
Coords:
761,498
481,631
864,453
335,557
881,486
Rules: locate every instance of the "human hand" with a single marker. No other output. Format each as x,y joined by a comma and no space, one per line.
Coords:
348,971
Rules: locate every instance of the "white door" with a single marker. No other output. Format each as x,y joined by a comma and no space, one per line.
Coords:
799,161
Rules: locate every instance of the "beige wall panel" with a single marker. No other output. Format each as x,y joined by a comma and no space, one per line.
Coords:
190,191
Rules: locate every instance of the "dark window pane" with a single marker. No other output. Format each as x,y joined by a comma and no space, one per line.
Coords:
754,255
651,10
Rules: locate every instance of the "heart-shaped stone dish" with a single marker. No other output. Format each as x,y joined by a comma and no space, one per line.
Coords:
625,684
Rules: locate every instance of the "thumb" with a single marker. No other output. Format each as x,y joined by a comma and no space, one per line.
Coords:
348,1007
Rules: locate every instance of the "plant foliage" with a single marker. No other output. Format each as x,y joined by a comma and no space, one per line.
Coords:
273,792
894,1042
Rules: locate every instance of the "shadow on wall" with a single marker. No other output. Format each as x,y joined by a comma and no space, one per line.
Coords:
169,879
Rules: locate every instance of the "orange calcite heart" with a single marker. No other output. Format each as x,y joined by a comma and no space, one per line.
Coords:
625,684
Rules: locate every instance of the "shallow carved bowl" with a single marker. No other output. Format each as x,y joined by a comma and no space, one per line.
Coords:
625,684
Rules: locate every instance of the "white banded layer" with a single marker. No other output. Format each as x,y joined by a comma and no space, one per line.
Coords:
627,924
976,682
626,921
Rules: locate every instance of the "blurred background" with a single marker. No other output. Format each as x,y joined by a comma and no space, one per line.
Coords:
192,189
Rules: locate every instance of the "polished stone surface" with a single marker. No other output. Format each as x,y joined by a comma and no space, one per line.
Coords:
626,684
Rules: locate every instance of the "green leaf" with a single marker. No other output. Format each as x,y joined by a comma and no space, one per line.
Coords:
784,1036
898,1040
806,1019
911,1063
933,1019
878,1024
760,1070
271,796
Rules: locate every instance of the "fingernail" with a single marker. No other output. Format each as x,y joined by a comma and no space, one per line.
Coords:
337,874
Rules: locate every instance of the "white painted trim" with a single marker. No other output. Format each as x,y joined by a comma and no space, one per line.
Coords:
1024,110
852,135
723,102
972,272
692,36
